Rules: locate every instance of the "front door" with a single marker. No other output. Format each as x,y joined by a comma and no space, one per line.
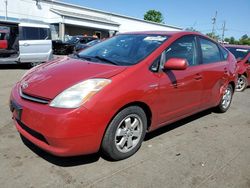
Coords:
181,90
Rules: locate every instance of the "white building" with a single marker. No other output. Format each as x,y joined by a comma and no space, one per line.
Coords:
69,19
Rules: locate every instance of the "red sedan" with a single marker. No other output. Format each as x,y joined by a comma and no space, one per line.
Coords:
108,96
242,54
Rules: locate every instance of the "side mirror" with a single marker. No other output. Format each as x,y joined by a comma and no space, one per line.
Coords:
248,61
176,64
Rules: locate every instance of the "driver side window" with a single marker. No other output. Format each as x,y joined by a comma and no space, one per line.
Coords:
184,48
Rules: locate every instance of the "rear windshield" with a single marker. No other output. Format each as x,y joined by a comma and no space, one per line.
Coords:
239,53
125,49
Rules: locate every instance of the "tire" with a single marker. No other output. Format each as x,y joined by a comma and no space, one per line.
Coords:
33,64
225,100
125,133
241,83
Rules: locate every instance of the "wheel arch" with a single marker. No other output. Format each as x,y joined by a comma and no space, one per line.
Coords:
144,107
233,85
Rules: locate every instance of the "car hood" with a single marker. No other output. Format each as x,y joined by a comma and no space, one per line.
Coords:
50,79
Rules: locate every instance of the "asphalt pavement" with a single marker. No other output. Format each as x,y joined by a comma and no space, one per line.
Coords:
204,150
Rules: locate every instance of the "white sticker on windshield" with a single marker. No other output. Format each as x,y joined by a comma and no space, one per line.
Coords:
155,38
241,50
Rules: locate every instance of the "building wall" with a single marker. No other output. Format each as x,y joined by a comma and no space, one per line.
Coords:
41,11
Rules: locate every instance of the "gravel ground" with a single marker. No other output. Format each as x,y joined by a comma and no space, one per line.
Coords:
204,150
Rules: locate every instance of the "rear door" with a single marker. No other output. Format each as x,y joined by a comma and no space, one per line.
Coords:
181,90
35,44
214,71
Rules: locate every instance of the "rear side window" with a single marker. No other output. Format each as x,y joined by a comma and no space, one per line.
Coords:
35,33
224,53
210,51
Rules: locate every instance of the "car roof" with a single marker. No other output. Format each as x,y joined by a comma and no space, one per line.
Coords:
237,46
169,33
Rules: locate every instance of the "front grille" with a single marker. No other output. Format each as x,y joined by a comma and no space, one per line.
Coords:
32,132
33,99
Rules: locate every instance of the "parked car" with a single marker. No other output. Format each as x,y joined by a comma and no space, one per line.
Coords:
68,47
111,94
80,46
25,42
242,54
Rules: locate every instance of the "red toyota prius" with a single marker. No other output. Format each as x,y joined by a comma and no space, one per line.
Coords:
108,96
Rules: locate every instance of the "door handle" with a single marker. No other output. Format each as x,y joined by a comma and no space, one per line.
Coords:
198,77
26,44
225,70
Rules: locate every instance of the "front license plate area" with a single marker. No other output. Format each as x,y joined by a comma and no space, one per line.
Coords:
16,109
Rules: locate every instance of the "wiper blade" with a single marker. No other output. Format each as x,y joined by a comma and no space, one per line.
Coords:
105,59
88,58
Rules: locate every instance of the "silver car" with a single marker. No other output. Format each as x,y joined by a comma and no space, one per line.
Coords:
26,43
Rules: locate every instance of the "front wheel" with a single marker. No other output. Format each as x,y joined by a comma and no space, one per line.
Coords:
241,83
125,133
33,64
225,100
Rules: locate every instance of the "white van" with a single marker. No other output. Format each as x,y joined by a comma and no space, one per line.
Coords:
25,43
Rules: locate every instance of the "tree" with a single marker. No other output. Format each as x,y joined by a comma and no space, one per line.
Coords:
232,40
154,16
244,40
191,29
213,36
227,40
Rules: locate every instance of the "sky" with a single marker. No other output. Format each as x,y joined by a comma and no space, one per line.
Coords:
186,13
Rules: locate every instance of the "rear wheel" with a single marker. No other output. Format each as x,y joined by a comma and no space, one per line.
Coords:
225,100
241,83
125,133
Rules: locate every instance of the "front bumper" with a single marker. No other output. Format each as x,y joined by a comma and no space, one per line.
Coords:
62,132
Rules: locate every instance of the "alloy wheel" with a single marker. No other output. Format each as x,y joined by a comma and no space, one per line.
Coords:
227,97
241,83
128,133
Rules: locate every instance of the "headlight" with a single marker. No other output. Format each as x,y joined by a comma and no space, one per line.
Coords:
78,94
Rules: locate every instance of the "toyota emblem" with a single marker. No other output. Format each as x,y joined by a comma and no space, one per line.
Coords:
24,85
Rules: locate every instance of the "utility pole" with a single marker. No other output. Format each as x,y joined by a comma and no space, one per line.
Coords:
214,22
223,30
6,9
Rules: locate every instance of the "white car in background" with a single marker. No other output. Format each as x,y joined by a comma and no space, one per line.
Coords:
26,43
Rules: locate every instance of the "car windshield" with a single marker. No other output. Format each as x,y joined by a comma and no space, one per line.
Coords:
127,49
73,40
93,42
239,53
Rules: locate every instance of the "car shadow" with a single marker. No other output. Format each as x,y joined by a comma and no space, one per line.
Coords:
15,66
177,124
87,159
61,161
